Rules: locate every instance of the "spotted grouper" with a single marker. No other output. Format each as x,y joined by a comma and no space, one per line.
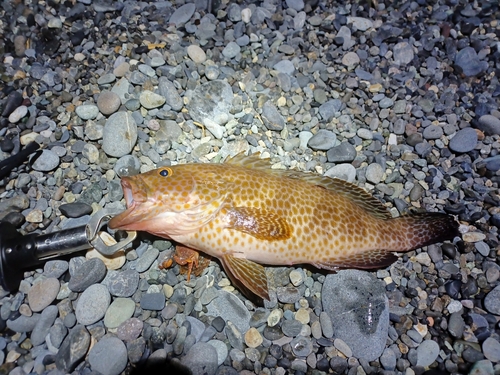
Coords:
247,214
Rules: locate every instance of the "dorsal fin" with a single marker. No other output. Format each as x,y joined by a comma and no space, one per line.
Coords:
249,161
354,193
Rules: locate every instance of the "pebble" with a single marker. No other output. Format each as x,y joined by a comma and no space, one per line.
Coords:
87,111
464,140
90,272
343,171
374,173
108,356
343,153
427,352
73,349
150,100
92,304
182,14
196,54
168,90
322,140
130,329
403,53
491,349
348,305
489,124
469,63
147,259
153,301
18,114
55,268
119,134
46,162
230,308
43,293
201,359
118,312
42,327
108,102
253,338
122,283
272,118
492,301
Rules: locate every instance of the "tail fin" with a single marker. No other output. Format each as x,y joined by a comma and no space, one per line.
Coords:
426,228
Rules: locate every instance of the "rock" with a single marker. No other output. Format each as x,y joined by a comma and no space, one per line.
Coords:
108,356
230,308
14,100
55,268
169,92
272,118
92,304
322,140
491,349
350,59
73,349
374,173
108,102
153,301
87,111
328,109
130,329
122,283
427,352
201,359
90,272
196,54
231,50
489,124
118,312
18,114
492,301
464,140
119,135
360,23
182,14
150,100
403,53
43,293
285,66
42,327
253,338
343,171
483,367
359,310
23,323
75,209
467,62
46,161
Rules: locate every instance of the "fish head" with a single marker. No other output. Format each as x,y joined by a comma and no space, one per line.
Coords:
170,201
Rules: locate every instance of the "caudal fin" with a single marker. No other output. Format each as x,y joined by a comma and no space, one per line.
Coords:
425,229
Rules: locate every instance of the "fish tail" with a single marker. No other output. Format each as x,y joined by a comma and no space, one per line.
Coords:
424,229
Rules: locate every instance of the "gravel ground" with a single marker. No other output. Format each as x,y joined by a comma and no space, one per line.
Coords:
401,98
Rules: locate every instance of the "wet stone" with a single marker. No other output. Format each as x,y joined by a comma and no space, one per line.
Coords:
23,323
301,346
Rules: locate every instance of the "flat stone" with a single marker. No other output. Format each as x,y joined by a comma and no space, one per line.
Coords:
464,140
491,349
182,14
492,301
122,283
87,111
150,100
489,124
230,308
322,140
201,359
130,329
427,352
153,301
403,53
42,327
46,162
343,171
168,90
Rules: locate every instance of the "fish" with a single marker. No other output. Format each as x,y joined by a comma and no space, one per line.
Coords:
249,216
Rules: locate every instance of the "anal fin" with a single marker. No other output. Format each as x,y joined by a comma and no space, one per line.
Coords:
247,273
367,260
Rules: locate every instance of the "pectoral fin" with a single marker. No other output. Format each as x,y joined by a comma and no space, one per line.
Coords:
262,224
247,273
370,259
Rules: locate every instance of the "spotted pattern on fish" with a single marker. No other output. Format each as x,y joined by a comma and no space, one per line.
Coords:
244,209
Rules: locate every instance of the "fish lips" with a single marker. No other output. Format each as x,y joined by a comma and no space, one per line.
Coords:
135,195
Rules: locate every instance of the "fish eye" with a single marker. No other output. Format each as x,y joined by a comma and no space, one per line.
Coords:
165,172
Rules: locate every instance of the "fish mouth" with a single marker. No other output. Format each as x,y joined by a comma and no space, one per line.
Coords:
134,196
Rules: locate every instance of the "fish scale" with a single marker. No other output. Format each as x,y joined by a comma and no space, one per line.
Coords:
247,214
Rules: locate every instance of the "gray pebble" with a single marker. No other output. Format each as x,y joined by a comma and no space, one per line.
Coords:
201,359
221,349
230,308
456,325
119,135
427,352
108,102
433,132
130,329
349,297
272,118
489,124
87,111
182,14
55,268
491,349
327,110
57,334
90,272
285,66
146,259
153,301
464,140
344,171
92,305
122,283
301,346
326,325
23,323
388,359
118,312
167,89
108,356
42,327
291,328
374,173
73,349
469,63
150,100
231,50
43,293
492,301
47,161
322,140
